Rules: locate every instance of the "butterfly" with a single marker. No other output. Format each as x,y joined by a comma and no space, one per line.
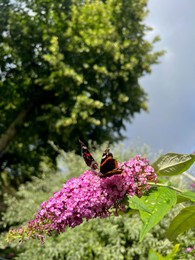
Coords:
108,165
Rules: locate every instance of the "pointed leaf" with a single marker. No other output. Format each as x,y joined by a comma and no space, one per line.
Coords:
182,222
173,164
159,202
181,199
189,195
173,252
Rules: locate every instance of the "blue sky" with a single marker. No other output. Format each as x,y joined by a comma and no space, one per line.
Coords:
170,123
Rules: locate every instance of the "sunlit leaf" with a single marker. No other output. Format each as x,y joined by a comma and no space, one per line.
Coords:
173,164
173,252
159,202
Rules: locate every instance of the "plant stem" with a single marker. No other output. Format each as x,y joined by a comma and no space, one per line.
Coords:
164,185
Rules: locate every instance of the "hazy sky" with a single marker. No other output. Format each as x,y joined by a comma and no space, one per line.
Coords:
170,123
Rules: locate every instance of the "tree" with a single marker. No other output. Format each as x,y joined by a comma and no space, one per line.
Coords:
69,70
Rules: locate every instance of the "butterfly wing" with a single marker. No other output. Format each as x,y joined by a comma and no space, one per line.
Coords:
109,165
88,158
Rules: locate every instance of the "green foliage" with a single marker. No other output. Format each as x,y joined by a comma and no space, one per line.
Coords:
68,70
159,202
189,195
113,238
182,222
173,164
155,205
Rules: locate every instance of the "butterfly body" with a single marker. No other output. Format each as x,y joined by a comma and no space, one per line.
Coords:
108,165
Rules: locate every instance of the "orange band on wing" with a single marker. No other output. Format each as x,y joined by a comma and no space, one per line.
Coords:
107,159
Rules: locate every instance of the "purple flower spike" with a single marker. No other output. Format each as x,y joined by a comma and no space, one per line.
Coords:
90,196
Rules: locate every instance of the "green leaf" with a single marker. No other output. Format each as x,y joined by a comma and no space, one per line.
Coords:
173,164
189,195
182,222
173,252
136,203
156,256
181,199
159,202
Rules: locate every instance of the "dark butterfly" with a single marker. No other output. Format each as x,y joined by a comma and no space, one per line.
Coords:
108,165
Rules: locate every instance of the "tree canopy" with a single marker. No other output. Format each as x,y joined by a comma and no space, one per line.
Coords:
68,70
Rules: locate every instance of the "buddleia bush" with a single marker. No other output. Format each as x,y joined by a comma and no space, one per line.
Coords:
112,238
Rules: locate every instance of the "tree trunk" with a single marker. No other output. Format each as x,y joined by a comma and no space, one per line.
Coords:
14,128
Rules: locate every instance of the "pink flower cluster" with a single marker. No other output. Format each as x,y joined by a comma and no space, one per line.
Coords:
90,196
190,249
190,252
